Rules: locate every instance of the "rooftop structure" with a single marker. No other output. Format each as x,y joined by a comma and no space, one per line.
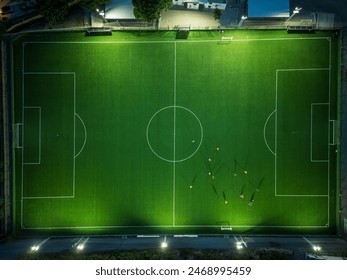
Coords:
201,4
268,8
119,9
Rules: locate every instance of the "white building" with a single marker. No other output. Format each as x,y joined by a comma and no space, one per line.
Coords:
201,4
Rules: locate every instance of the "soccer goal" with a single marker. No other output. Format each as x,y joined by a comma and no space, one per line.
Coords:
227,38
18,135
182,32
99,32
228,228
334,132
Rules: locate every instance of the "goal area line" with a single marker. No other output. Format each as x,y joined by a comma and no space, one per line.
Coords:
26,163
327,195
176,226
276,122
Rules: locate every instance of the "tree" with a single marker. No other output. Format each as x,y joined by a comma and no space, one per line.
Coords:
217,13
2,30
54,11
93,4
149,10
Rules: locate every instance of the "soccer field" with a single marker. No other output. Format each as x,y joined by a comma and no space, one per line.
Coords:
142,133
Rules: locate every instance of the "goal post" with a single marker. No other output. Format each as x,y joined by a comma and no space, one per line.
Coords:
227,38
182,32
334,132
226,227
18,130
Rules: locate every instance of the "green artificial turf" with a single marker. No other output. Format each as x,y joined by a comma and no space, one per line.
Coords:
139,133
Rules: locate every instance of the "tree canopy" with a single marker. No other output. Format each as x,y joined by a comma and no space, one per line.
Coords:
54,11
149,10
92,4
217,13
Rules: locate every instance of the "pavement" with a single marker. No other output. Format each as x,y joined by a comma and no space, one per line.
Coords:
334,10
330,245
298,244
188,18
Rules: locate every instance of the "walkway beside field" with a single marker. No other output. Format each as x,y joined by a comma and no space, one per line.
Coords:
297,245
343,131
194,19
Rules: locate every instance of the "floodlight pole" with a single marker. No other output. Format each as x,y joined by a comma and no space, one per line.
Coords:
79,240
296,11
243,18
314,247
239,242
164,243
44,241
37,247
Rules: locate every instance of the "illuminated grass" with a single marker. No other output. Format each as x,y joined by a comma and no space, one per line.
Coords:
132,125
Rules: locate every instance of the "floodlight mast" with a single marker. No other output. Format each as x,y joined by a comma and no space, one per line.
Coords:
315,248
164,243
36,247
243,18
80,244
240,243
296,11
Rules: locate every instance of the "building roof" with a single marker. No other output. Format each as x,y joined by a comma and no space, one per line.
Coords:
268,8
119,9
213,1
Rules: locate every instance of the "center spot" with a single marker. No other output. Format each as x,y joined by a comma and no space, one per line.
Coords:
174,134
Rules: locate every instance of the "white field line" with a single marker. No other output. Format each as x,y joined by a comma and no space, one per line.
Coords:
74,136
47,197
74,143
23,102
302,69
329,116
49,73
328,161
311,141
39,136
151,42
300,195
177,226
85,135
174,41
276,107
264,133
174,143
290,70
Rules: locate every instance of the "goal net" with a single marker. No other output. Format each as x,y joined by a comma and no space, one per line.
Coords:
229,228
182,32
334,132
18,135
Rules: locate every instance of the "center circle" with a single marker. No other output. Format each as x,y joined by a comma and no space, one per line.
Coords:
174,134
